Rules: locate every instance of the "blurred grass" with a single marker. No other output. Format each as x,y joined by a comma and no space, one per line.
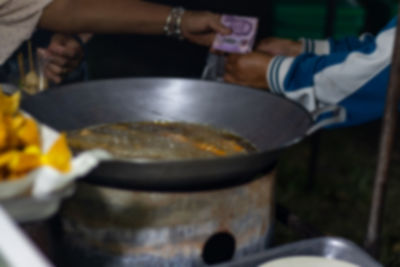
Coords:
339,202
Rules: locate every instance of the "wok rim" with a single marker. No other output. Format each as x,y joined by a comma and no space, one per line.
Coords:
270,155
285,145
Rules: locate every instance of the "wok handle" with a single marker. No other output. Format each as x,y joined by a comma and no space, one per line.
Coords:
338,115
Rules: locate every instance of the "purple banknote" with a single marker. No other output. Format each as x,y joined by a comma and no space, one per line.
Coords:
241,40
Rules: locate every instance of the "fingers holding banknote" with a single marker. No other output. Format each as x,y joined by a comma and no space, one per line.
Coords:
201,27
247,69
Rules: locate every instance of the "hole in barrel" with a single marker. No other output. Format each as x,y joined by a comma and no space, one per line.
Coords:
219,247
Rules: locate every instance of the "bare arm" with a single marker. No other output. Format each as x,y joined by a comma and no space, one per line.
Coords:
127,16
104,16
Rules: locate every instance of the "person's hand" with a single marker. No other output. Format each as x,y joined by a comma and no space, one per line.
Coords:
248,69
201,27
63,55
279,46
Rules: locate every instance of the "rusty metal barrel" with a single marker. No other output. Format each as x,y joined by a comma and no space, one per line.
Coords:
104,226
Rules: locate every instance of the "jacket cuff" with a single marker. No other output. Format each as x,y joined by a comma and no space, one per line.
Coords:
317,47
276,73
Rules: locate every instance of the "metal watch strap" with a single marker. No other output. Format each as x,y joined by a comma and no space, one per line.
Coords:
173,23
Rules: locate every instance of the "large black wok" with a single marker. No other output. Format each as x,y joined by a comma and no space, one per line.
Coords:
268,121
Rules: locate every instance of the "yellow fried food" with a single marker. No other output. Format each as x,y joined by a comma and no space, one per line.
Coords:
3,132
22,163
6,158
28,133
59,155
9,104
17,163
8,109
14,124
20,146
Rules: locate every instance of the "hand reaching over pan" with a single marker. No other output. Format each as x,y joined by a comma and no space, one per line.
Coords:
63,55
247,69
280,46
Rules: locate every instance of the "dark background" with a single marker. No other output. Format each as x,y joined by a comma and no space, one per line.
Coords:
134,55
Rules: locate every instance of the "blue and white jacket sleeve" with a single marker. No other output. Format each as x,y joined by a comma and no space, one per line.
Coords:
352,73
326,47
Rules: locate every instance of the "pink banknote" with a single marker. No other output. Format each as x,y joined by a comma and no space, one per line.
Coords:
241,40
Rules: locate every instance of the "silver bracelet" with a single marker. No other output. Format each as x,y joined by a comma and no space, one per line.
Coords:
173,23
